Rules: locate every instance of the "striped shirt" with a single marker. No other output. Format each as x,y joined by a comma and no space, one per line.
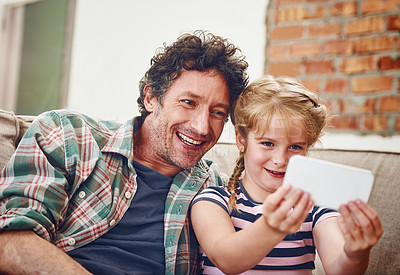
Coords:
71,180
294,252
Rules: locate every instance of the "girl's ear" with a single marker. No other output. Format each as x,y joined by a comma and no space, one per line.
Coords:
150,101
240,142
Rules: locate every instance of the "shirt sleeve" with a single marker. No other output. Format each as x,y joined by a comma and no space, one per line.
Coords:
323,213
34,183
214,194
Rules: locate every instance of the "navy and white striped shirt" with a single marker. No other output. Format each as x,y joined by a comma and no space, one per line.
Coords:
295,252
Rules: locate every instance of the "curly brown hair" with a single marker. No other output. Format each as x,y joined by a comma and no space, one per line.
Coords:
199,51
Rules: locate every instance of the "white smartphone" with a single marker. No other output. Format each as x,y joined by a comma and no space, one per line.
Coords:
330,184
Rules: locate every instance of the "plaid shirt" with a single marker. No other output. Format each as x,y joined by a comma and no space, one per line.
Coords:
71,180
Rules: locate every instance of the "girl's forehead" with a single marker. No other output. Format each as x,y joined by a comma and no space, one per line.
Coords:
279,127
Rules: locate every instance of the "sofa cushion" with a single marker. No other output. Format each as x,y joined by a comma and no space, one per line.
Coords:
12,129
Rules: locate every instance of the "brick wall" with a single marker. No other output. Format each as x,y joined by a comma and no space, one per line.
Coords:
347,51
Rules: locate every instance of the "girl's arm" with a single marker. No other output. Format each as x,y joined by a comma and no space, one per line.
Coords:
235,252
344,243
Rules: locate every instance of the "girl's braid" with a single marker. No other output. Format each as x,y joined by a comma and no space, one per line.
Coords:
234,180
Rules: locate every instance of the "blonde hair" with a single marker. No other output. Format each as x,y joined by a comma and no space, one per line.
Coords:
267,97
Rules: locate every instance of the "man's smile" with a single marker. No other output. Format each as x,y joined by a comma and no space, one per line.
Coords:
189,141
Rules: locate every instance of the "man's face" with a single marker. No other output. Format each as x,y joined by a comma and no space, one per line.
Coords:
191,118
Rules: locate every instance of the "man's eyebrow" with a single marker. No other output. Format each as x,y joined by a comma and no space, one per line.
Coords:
197,96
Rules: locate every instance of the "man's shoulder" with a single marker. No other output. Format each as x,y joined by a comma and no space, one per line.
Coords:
69,118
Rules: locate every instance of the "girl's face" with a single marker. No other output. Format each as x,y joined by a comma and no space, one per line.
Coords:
266,156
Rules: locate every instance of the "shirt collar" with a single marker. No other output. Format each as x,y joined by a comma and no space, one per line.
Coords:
121,141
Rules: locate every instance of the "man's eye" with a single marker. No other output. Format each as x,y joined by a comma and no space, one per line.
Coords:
220,114
188,102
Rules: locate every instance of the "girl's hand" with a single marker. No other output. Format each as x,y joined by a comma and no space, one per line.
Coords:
360,226
286,215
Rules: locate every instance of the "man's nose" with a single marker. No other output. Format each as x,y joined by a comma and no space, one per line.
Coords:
200,122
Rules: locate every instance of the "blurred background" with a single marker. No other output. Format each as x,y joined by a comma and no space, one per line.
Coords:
89,55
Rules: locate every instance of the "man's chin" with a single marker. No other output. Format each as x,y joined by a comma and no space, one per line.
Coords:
186,162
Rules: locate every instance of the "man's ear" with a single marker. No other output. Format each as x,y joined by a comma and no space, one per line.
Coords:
240,142
150,101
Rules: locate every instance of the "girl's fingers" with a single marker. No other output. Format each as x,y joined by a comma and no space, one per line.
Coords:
289,213
360,226
371,217
274,200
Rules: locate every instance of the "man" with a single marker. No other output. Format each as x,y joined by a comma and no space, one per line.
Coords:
82,196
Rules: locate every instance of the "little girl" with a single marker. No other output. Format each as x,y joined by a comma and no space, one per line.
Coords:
253,225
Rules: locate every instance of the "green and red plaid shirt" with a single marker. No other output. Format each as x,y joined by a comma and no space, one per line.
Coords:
71,180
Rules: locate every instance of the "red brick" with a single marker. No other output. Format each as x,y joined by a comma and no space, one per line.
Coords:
285,68
276,51
345,122
376,6
375,123
337,86
313,85
319,67
344,9
394,23
288,2
324,30
342,105
389,104
398,85
318,12
353,65
369,106
398,123
291,14
304,49
365,25
374,44
388,63
287,32
371,84
338,47
300,13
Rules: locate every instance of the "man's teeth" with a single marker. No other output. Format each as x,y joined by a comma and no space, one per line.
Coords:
188,140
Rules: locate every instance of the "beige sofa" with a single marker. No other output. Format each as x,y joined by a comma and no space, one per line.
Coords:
385,198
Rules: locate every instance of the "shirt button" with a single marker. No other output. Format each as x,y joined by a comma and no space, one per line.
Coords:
81,194
112,222
128,195
71,241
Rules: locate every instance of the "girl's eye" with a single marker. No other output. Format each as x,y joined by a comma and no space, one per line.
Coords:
296,147
267,143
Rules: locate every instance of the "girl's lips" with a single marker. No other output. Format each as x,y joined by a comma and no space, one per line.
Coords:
275,174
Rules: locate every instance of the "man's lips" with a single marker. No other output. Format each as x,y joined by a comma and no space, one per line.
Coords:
189,141
275,174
